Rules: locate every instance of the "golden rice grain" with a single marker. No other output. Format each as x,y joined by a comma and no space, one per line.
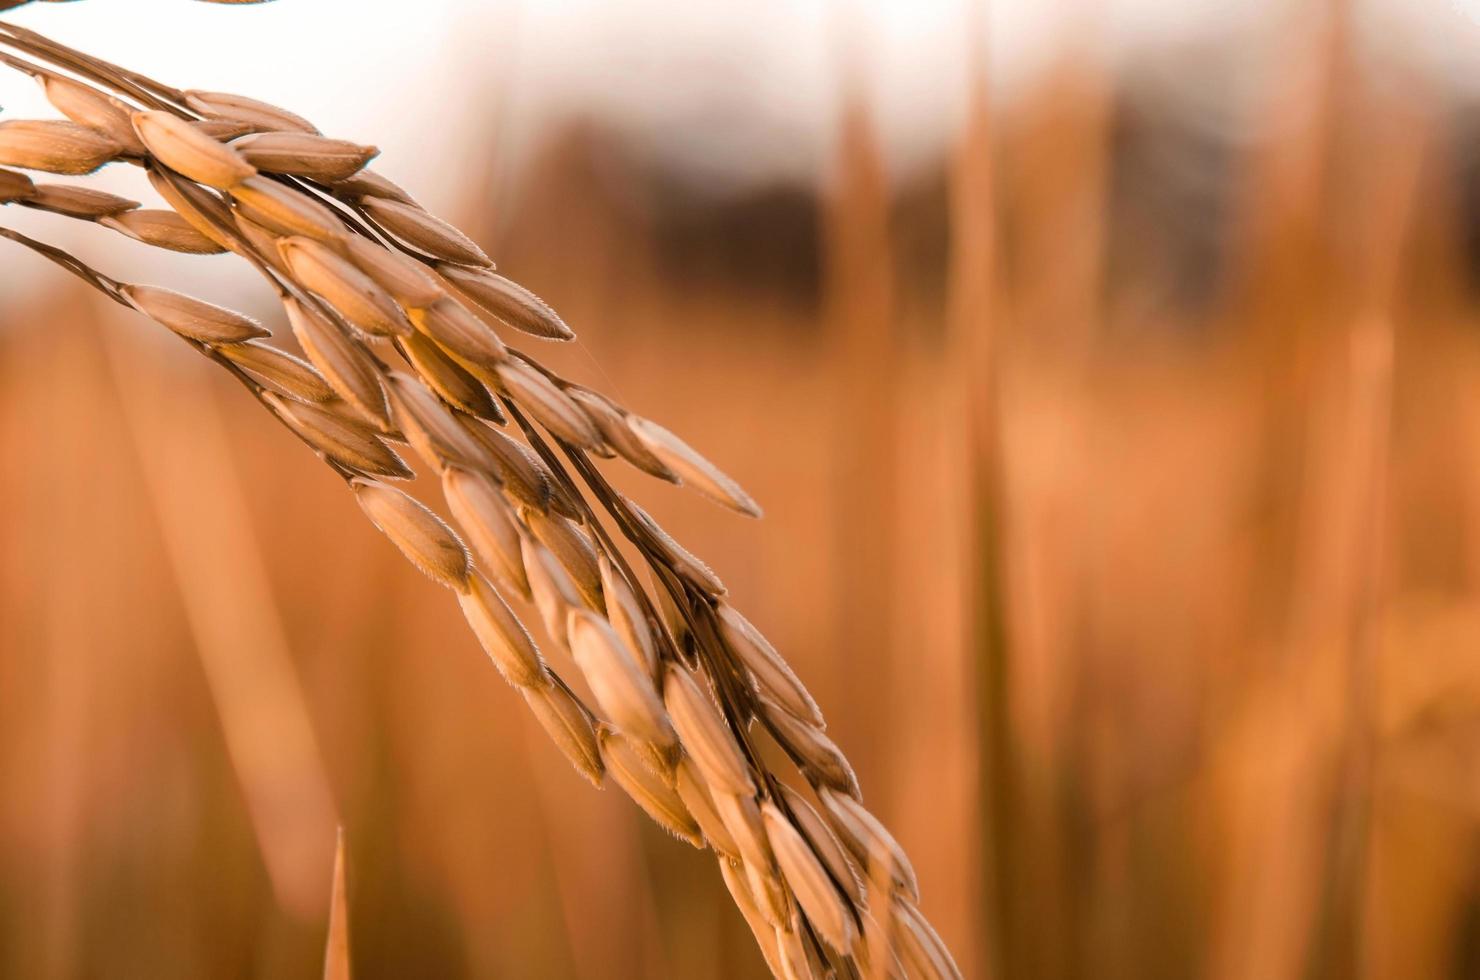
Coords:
704,734
54,145
191,317
186,150
691,467
342,441
771,672
279,370
431,428
258,114
424,232
448,378
460,333
502,636
487,522
342,362
285,211
621,687
97,110
626,616
343,286
507,300
163,229
568,726
548,405
78,202
868,839
655,796
305,155
423,538
409,281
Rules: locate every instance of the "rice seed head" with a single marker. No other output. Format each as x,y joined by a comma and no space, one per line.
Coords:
78,202
447,378
704,734
921,948
548,405
570,546
488,524
733,872
647,790
507,300
342,362
423,538
611,422
191,317
305,155
624,692
821,760
809,881
424,232
690,786
679,558
868,839
460,333
502,636
772,673
279,370
339,439
431,428
343,286
825,844
97,110
284,211
183,148
410,282
368,183
555,595
15,187
569,727
626,616
206,213
54,145
259,115
163,229
691,467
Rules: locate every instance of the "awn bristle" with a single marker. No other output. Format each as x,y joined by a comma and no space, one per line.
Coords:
373,287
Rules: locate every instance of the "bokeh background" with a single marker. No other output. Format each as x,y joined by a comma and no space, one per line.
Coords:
1109,373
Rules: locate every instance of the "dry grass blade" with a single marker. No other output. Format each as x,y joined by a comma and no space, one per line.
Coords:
305,155
97,110
691,467
424,232
502,636
186,150
259,115
284,211
622,689
487,522
771,672
342,362
77,202
191,317
646,788
423,538
55,146
569,727
509,301
163,229
343,286
340,440
336,953
704,734
280,370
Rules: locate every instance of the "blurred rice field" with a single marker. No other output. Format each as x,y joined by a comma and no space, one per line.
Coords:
1122,489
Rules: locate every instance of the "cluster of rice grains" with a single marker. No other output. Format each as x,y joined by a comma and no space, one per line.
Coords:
395,310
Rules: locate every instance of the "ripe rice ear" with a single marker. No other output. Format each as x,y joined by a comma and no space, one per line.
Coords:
507,300
284,211
97,110
259,115
705,736
691,467
279,370
423,538
424,232
502,636
624,692
342,441
650,792
191,317
183,148
486,520
55,146
163,229
354,295
305,155
77,202
569,727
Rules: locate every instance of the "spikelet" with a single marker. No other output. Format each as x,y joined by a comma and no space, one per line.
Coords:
624,761
185,149
423,538
54,145
279,370
343,286
507,300
337,438
622,689
692,468
771,672
304,154
569,727
97,110
343,363
259,115
284,211
503,637
78,202
705,736
163,229
424,232
488,524
191,317
460,333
